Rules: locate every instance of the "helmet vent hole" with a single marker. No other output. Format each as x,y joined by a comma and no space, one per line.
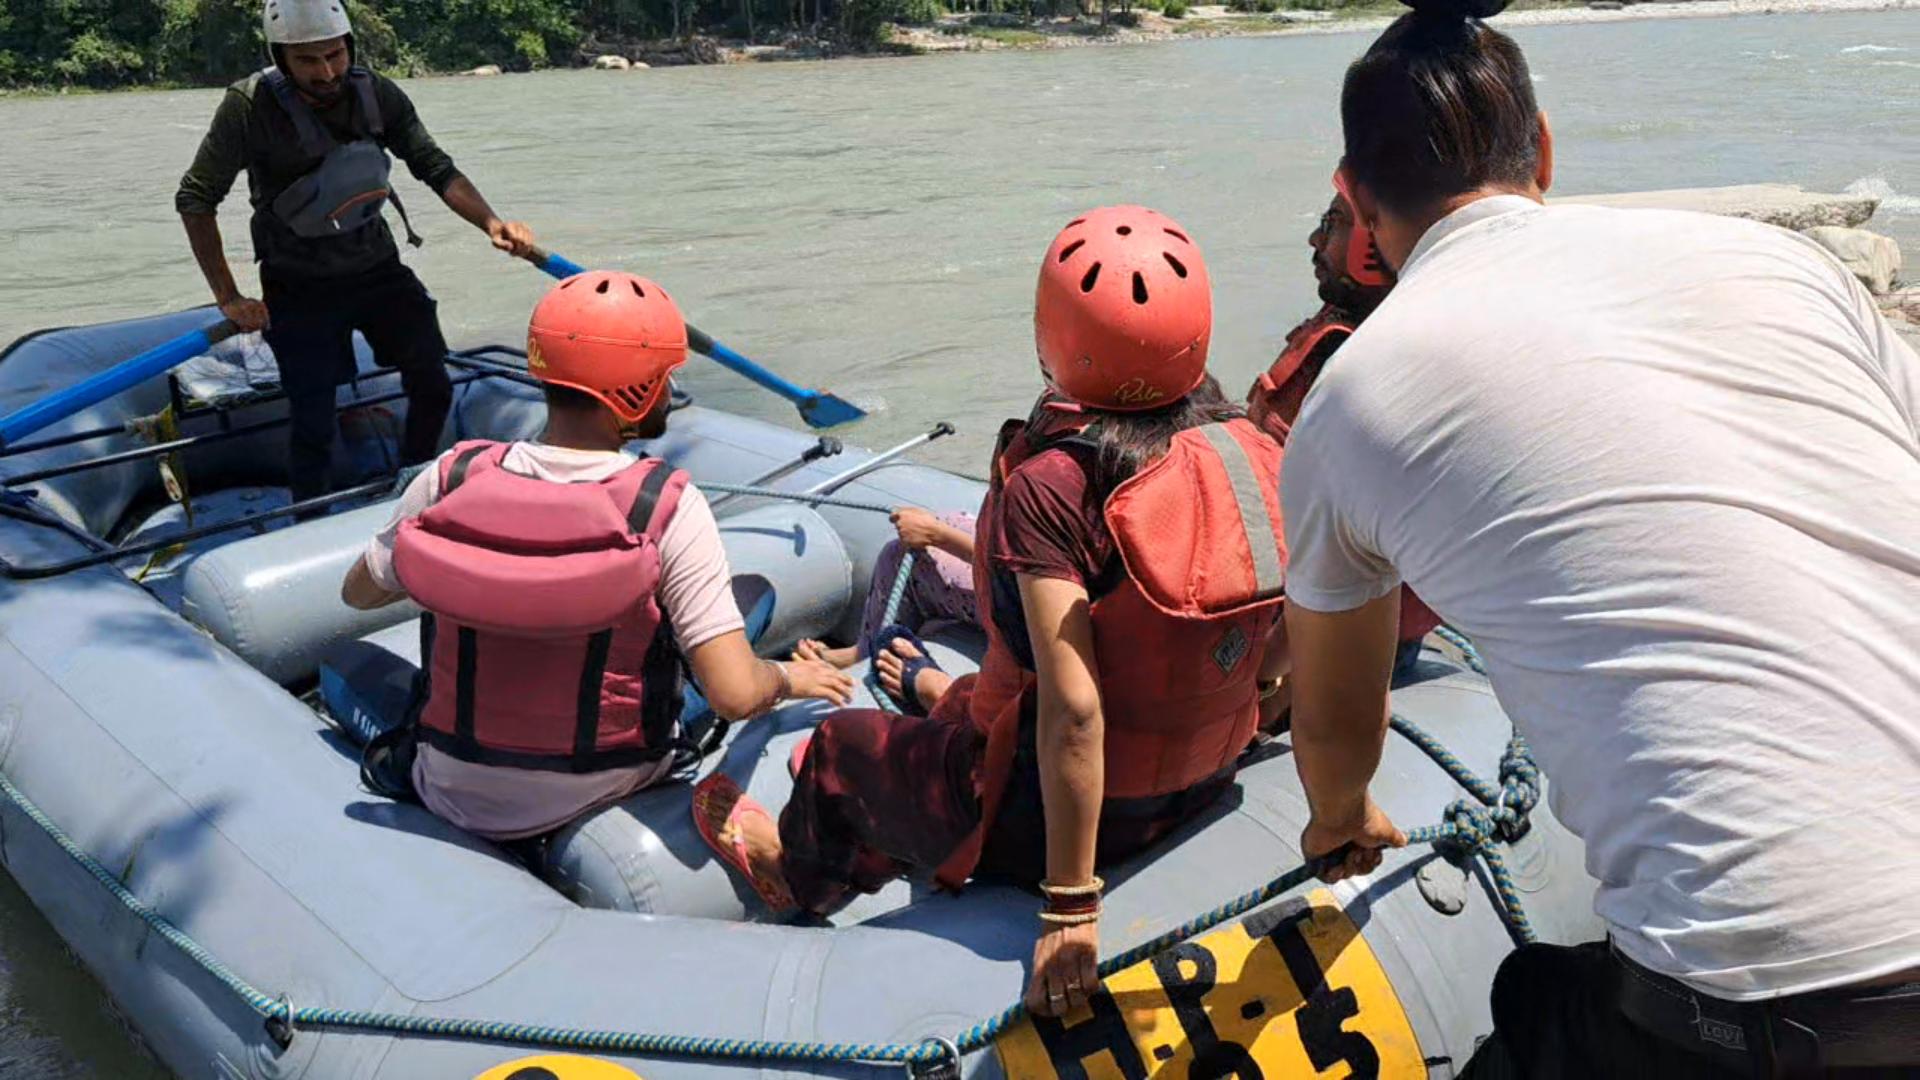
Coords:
1139,288
637,291
1124,230
1177,235
1067,252
1093,275
1178,266
568,284
1076,221
602,287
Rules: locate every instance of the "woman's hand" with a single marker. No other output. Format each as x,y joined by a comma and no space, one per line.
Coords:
819,681
1066,963
918,529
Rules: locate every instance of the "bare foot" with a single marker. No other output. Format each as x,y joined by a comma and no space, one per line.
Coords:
810,649
892,664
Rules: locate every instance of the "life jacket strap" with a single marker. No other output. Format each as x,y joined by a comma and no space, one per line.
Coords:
466,670
314,141
593,671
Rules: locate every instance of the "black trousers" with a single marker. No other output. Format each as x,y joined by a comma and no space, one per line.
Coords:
1584,1011
312,338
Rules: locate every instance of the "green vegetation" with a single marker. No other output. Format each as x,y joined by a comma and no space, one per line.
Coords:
105,44
115,43
1006,36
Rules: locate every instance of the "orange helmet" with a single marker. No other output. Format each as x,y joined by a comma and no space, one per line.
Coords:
613,335
1124,312
1365,265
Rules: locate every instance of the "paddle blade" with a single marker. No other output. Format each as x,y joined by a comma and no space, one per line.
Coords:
823,410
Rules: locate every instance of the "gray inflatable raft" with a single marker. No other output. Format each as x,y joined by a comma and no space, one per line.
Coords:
197,833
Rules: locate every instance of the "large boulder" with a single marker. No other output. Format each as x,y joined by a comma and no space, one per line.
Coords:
1907,302
483,70
1872,258
1785,205
611,63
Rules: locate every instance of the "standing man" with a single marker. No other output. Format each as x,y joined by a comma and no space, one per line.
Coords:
313,133
1664,469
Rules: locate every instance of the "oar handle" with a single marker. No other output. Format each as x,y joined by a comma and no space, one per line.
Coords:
121,377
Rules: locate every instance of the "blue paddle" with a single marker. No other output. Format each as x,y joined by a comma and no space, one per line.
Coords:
817,407
125,375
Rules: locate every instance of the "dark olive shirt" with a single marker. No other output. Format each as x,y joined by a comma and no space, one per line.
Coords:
252,131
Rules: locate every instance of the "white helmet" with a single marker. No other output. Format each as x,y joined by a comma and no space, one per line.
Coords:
296,22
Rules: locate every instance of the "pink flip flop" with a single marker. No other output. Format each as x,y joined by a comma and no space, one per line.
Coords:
710,795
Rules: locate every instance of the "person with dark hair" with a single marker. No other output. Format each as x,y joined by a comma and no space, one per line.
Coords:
1353,282
1664,469
1130,574
313,131
564,579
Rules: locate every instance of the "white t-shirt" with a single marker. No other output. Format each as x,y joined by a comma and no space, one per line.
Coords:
1664,469
695,594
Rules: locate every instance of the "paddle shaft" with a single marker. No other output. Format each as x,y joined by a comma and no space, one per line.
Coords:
698,340
123,376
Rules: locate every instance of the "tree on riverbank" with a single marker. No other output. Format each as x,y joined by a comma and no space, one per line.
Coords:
111,43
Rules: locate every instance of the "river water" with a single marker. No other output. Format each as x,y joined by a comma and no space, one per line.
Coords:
875,226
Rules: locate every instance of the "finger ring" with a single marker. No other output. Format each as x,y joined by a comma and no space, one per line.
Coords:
1073,988
1056,997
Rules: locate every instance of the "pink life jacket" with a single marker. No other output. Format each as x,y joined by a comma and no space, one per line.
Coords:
544,646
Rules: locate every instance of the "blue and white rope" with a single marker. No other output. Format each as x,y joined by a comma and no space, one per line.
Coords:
1471,829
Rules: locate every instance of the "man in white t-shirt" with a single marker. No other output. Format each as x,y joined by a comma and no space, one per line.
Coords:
564,578
1664,470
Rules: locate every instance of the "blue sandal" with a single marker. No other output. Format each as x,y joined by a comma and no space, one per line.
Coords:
883,640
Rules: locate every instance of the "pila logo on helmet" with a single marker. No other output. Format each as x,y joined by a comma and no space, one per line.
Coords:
1138,392
1123,312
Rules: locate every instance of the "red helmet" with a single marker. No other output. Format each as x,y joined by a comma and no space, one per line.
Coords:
614,335
1123,313
1365,266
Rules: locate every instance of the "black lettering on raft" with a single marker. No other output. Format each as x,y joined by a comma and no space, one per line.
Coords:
1068,1047
1323,1009
1214,1058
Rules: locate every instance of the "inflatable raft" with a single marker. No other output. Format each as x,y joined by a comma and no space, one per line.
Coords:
195,829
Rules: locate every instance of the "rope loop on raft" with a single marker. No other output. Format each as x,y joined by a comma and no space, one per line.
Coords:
1469,829
944,1067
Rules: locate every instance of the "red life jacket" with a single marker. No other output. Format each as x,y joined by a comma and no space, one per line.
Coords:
1178,632
1276,396
1274,403
544,645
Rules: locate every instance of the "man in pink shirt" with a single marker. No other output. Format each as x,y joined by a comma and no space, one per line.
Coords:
564,579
